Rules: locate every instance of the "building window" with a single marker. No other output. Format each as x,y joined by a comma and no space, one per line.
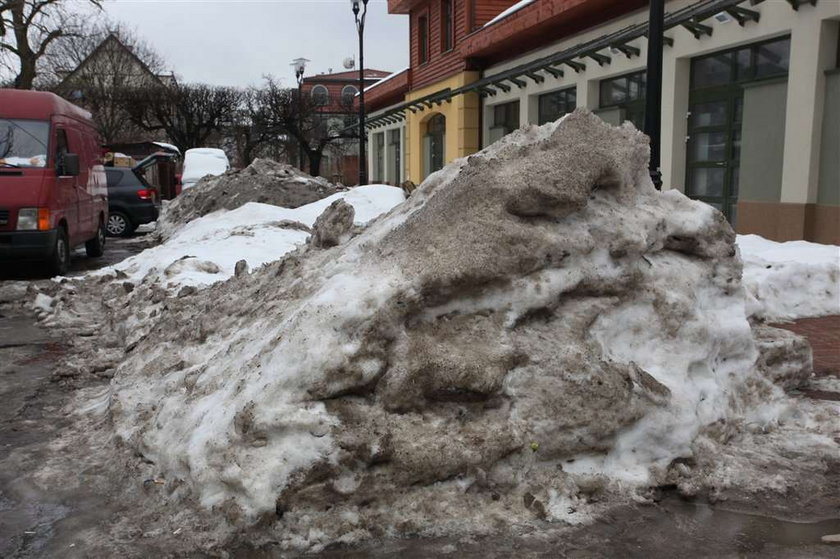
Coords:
423,39
348,94
447,25
505,120
626,93
395,149
716,113
768,59
434,144
320,95
556,104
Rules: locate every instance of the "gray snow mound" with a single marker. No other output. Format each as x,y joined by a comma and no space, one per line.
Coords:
264,181
534,333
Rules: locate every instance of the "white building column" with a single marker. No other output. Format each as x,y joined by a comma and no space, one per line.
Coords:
386,157
675,89
813,49
369,153
587,90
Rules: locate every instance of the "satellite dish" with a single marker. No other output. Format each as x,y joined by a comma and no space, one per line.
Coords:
349,62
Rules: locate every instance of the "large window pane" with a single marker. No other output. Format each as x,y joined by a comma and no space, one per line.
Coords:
743,61
709,146
772,59
506,117
556,104
712,70
707,181
709,114
622,90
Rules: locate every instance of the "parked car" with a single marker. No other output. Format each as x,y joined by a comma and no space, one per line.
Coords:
200,162
53,194
131,201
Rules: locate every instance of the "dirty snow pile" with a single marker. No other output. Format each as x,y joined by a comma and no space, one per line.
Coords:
534,334
263,181
791,280
206,249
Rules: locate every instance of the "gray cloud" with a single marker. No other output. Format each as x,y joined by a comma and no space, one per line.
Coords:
236,42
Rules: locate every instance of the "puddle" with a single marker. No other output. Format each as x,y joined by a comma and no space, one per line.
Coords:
749,532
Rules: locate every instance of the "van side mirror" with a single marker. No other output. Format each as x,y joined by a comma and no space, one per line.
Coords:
69,165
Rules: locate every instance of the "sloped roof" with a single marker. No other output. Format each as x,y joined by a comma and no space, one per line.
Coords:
111,38
350,75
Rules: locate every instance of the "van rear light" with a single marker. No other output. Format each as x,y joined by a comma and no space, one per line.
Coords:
146,194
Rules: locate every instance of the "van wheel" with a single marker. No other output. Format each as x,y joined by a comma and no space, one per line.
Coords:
119,225
96,246
59,261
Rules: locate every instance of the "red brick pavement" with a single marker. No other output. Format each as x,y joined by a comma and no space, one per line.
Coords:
824,335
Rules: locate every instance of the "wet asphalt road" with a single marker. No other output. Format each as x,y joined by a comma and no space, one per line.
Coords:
116,250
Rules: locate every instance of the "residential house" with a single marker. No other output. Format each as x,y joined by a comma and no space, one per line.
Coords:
98,80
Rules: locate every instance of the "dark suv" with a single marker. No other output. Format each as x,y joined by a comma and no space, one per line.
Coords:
131,201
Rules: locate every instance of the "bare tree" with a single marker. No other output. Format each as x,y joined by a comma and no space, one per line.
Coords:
302,119
29,29
190,114
99,69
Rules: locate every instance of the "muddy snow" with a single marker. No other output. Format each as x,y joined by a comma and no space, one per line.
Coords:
263,181
536,334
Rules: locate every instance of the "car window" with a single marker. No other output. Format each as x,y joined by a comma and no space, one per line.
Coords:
114,176
124,177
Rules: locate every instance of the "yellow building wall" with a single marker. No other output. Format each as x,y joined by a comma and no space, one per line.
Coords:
462,124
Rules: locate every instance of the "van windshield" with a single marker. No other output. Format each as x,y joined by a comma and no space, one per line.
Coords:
23,143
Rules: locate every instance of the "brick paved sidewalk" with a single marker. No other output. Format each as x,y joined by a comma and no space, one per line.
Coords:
824,335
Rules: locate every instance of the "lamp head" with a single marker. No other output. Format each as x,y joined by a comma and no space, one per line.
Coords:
299,65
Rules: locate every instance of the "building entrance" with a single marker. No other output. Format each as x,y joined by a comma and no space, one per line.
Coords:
716,111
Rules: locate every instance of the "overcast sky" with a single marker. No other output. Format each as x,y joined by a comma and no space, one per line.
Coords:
236,42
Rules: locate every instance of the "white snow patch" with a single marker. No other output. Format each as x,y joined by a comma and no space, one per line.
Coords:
513,9
206,250
385,79
791,280
170,147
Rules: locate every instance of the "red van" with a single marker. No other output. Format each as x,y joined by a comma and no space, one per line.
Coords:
53,190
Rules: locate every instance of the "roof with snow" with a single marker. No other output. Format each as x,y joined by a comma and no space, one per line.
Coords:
348,76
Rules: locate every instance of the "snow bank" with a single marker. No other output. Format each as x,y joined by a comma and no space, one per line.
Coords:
534,333
207,249
263,181
791,280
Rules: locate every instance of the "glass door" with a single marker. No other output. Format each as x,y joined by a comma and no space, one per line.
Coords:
716,107
714,149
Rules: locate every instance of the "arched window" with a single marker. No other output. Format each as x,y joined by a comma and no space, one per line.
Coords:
320,95
348,94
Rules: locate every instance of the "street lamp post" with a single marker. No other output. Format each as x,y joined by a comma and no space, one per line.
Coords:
360,11
300,66
653,93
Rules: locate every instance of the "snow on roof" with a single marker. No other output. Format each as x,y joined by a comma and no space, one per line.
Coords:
383,80
515,8
170,147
